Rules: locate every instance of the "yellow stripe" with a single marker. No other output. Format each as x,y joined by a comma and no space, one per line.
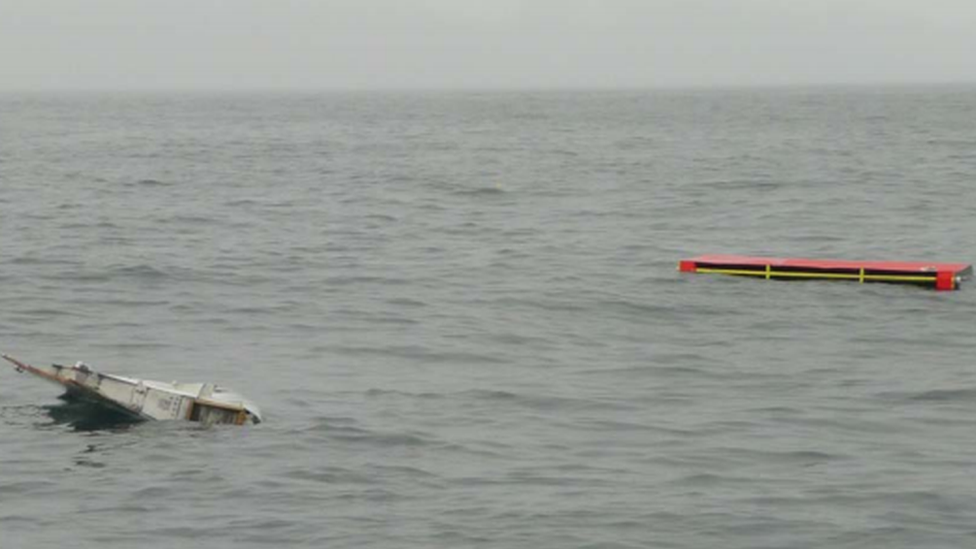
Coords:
731,272
836,276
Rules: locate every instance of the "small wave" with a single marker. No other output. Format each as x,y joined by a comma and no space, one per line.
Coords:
152,493
328,475
712,479
259,310
539,402
138,272
380,217
60,313
347,280
122,302
406,302
29,260
942,395
373,393
488,394
746,185
545,304
656,369
130,345
336,420
383,440
14,414
184,219
239,202
418,353
81,225
621,426
481,191
25,486
146,272
23,520
327,426
150,183
472,394
803,458
412,472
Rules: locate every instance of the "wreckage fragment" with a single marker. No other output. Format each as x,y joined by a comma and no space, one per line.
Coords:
149,400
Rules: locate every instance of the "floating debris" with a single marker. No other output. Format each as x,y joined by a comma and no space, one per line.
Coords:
941,276
146,399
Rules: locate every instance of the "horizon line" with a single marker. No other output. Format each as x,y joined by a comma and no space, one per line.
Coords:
489,88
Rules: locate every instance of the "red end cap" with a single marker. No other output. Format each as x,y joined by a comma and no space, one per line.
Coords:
945,280
687,266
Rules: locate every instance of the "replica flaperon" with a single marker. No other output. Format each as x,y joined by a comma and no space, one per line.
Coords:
941,276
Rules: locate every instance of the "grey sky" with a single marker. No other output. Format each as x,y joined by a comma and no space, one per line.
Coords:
308,44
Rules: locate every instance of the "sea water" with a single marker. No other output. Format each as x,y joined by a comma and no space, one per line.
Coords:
460,314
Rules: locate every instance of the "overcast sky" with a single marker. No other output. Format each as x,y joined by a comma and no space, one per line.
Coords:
356,44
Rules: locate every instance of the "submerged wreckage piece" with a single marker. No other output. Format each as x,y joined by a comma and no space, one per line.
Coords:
149,400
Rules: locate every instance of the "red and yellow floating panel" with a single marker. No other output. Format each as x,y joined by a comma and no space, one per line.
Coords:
941,276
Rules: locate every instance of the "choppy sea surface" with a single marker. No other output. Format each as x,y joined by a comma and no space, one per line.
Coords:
461,316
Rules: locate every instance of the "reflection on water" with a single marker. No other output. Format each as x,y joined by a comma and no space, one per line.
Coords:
84,415
86,457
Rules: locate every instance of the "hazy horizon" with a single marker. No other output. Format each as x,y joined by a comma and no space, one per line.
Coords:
664,89
348,45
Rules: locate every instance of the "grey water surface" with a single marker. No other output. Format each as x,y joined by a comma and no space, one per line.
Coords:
461,316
